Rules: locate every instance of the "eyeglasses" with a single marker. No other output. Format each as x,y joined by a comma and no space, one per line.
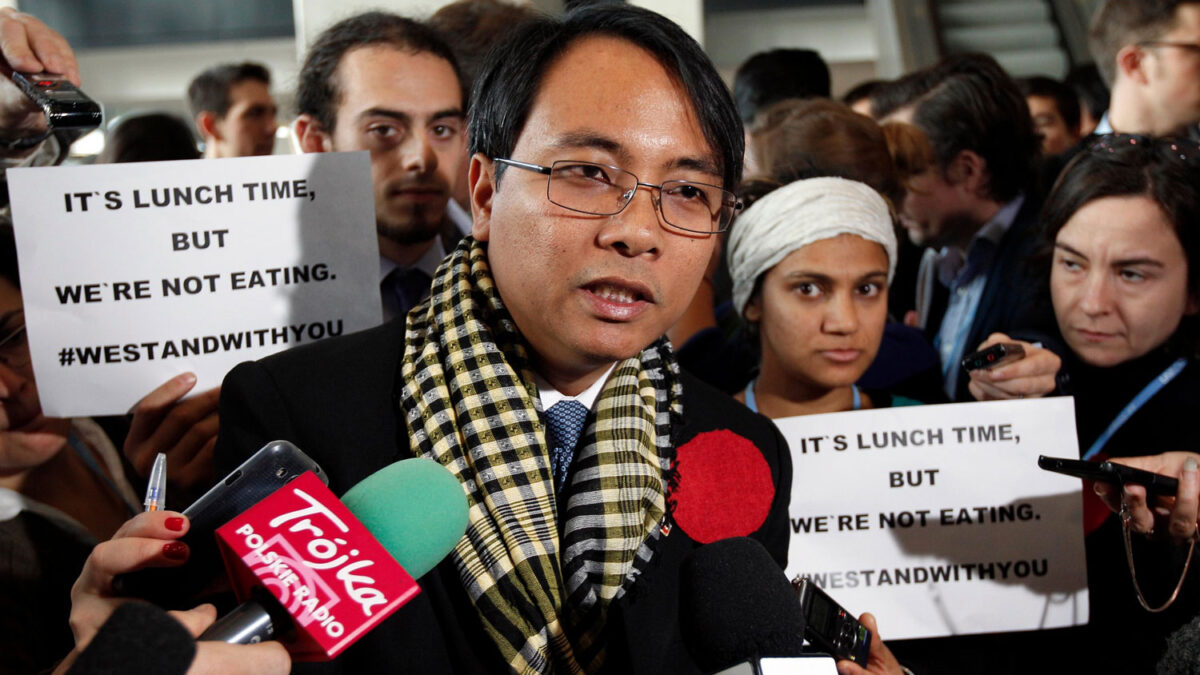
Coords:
14,349
603,190
1189,46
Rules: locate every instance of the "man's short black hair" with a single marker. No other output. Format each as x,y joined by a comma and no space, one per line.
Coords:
209,91
1118,23
514,71
1063,96
473,27
968,102
778,74
317,92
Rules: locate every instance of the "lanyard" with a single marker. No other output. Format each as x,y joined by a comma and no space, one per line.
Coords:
1136,404
752,403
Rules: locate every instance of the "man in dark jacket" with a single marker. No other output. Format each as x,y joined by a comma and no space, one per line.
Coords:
536,372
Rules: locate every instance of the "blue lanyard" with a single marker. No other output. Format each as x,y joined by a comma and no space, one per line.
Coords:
752,403
1136,404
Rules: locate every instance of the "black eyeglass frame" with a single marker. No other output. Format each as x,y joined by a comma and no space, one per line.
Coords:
729,200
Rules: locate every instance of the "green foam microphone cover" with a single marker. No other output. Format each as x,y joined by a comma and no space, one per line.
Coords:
416,509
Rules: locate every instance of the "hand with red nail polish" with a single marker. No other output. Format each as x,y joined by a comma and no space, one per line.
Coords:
146,540
151,540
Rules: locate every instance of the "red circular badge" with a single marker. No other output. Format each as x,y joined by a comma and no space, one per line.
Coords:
724,487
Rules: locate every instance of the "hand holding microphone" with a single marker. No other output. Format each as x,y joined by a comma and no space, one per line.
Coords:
148,540
322,572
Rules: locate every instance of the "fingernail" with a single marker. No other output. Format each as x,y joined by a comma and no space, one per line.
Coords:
174,523
186,378
1190,464
176,550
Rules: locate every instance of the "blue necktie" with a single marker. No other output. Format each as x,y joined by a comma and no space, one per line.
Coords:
408,286
564,424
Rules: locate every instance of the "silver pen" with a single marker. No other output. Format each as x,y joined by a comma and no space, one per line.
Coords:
156,487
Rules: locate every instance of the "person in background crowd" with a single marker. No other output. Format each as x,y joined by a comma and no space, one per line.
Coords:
1147,52
811,261
472,28
799,139
778,74
1124,276
859,96
62,489
972,210
62,483
233,110
1092,93
148,137
389,85
1055,111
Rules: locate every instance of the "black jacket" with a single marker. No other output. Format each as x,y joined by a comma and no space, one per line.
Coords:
337,401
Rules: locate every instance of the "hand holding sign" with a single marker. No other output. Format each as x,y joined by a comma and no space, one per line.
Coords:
185,430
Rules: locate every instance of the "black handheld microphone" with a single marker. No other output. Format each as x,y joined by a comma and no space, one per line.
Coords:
137,638
739,613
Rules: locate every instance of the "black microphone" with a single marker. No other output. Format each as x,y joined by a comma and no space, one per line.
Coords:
138,638
738,612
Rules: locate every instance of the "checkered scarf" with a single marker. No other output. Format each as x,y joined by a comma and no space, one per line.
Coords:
470,402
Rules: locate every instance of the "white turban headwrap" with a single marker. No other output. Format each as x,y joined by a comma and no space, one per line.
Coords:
795,216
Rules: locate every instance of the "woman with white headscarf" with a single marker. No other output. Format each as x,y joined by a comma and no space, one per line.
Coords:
810,263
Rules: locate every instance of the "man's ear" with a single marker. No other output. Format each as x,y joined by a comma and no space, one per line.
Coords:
1192,308
311,135
206,124
1131,62
481,183
968,171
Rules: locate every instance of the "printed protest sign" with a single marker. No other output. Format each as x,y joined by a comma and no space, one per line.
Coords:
937,518
134,273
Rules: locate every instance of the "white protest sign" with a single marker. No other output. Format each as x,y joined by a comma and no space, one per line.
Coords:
937,518
134,273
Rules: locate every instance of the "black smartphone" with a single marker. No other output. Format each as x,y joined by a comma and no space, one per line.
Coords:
829,627
1112,473
66,107
986,359
272,467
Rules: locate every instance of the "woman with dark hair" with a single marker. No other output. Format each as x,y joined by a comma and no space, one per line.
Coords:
148,137
1123,222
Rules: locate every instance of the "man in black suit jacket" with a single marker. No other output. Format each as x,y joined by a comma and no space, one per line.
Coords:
574,271
972,209
389,85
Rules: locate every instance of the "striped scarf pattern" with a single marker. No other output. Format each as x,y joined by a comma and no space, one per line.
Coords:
469,401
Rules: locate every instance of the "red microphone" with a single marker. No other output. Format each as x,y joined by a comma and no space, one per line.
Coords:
316,577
